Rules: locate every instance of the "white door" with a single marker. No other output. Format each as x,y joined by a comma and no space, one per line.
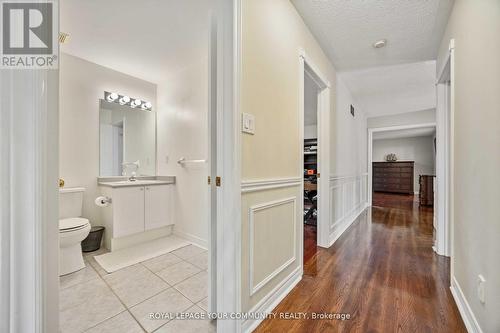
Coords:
128,211
158,206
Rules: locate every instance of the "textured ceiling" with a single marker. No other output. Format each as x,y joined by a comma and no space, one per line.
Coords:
407,133
346,29
150,40
395,89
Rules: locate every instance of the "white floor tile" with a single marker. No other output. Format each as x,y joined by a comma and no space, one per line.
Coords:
86,305
189,251
189,325
122,323
83,275
161,262
134,284
168,301
178,272
195,288
199,260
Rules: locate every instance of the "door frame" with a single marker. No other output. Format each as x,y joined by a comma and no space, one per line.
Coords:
370,149
307,67
445,110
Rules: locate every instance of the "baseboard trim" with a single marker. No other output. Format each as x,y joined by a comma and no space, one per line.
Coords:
192,238
342,226
464,308
271,300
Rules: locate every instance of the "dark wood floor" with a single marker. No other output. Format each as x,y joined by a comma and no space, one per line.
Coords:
382,272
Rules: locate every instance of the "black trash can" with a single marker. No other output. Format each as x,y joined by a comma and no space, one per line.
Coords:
93,240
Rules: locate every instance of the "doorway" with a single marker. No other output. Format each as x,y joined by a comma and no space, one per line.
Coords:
311,152
314,122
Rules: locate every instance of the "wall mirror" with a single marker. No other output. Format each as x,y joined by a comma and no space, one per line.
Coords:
127,140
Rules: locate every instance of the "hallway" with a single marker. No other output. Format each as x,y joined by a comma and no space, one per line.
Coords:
382,272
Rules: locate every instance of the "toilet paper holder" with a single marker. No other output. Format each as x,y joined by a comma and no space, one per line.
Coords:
103,201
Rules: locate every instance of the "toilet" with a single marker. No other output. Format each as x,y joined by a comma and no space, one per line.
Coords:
72,230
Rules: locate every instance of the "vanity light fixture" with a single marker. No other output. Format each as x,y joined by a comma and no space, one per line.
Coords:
124,100
135,103
111,97
146,106
128,101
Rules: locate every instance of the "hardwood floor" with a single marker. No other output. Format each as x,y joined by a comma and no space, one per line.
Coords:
382,272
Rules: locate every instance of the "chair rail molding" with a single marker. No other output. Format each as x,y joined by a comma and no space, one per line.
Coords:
269,184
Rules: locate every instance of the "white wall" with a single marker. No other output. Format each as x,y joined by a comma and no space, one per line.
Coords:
82,84
311,131
183,132
418,149
475,27
349,148
409,118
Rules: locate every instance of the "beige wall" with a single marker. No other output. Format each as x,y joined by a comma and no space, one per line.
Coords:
82,84
273,34
475,26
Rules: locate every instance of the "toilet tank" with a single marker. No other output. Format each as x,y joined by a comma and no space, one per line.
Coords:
70,202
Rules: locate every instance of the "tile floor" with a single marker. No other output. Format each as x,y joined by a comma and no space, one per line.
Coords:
92,300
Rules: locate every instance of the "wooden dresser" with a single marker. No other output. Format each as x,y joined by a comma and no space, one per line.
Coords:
395,177
426,183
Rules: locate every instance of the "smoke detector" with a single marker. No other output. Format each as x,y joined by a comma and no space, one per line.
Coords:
380,43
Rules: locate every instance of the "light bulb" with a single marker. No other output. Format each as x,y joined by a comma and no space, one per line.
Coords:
124,100
147,105
112,97
136,102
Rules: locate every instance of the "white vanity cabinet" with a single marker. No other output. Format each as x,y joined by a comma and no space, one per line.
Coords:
128,210
136,213
157,206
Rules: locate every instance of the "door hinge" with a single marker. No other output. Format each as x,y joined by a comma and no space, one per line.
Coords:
217,181
318,175
209,180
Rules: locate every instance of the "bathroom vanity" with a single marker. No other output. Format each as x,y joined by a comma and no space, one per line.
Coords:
137,211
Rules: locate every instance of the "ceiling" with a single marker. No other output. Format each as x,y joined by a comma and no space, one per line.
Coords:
346,30
149,41
394,89
406,133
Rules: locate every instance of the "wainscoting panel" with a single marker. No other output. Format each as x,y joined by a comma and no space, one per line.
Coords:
348,200
271,222
271,243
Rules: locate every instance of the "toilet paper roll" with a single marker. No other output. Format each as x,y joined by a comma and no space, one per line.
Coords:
102,201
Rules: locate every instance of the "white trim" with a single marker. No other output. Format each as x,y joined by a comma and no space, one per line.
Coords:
370,148
269,184
343,225
445,109
307,66
251,214
464,308
200,242
272,299
228,162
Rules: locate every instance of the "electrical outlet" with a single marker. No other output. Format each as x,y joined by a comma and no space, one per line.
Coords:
481,282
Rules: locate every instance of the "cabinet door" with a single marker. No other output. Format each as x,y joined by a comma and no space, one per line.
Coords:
128,211
158,206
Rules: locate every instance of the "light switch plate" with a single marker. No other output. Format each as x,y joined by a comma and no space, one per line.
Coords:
248,123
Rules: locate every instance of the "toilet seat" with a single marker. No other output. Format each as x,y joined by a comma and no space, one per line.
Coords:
72,224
